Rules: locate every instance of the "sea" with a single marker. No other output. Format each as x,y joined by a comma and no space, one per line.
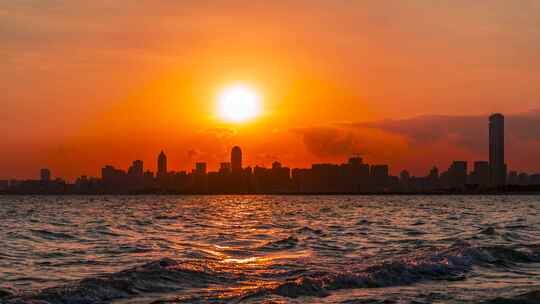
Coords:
270,249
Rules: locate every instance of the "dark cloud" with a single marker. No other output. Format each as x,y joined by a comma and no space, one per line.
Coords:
334,143
524,126
329,142
469,132
465,131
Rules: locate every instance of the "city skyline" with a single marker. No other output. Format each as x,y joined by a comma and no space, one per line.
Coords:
161,165
427,133
354,176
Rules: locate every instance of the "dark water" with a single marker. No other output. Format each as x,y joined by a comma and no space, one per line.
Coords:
270,249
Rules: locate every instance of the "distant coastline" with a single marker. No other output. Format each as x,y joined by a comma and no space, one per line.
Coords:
510,190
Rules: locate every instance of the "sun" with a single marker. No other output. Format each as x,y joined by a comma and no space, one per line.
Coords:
239,103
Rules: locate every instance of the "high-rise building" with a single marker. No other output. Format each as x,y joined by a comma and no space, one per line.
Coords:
355,175
162,164
45,175
379,177
137,169
236,160
513,178
110,174
458,174
497,167
405,180
480,174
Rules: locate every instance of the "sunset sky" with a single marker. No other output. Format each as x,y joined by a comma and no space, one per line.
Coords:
408,83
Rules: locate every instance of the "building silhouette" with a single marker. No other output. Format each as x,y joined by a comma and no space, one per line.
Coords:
200,178
236,160
379,178
480,174
497,165
136,170
162,165
458,174
225,168
45,175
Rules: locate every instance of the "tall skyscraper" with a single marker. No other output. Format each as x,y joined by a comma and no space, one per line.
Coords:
497,167
162,164
45,175
236,160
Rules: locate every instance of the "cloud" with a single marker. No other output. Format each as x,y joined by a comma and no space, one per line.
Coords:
465,131
469,132
328,142
338,143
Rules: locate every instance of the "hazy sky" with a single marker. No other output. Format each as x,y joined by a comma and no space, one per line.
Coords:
87,83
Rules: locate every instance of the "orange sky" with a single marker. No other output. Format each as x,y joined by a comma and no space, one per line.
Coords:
89,83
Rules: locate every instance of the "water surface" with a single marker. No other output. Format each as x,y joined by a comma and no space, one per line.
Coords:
269,249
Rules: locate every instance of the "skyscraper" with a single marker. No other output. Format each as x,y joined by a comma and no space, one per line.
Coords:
45,175
379,177
236,160
497,167
458,174
137,169
162,164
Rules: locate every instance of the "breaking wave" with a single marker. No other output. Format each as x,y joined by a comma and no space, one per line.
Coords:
448,264
166,275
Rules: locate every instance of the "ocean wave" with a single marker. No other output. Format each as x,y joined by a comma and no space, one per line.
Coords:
287,243
488,231
308,230
4,293
449,264
103,230
50,235
165,275
532,297
168,217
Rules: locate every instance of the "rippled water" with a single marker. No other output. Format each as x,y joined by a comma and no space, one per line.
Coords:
269,249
